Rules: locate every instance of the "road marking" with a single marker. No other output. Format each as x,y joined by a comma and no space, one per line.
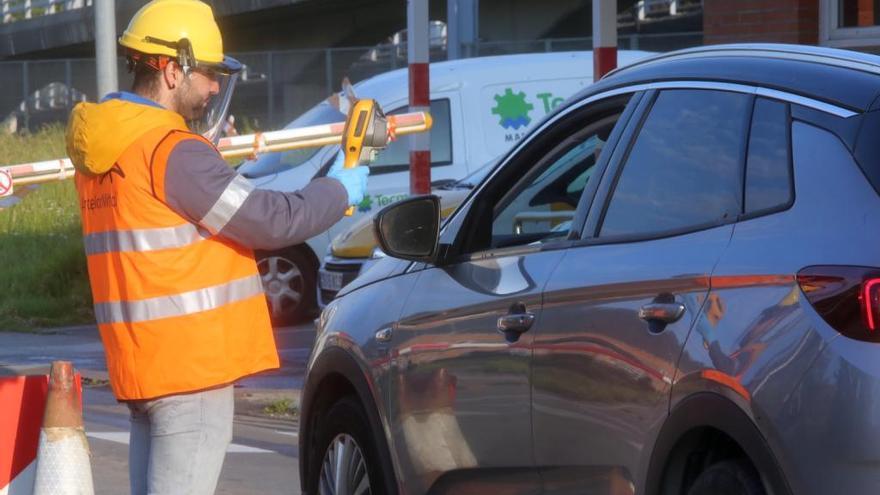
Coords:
122,437
290,433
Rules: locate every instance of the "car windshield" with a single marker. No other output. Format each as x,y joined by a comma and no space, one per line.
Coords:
272,163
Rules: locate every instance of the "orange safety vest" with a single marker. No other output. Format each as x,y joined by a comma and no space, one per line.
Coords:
178,309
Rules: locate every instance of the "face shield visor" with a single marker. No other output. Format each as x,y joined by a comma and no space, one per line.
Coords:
211,121
206,102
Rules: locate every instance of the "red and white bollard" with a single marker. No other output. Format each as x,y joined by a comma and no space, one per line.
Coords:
604,37
419,94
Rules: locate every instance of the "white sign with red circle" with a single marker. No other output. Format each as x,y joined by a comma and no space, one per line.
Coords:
5,183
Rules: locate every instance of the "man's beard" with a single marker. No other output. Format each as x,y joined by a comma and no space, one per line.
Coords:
189,103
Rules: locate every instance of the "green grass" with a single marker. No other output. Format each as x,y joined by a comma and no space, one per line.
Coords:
282,407
43,278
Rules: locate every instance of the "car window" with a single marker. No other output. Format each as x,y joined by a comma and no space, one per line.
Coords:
768,167
685,168
541,208
395,158
534,195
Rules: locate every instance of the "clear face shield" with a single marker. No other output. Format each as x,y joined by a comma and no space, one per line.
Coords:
209,117
205,98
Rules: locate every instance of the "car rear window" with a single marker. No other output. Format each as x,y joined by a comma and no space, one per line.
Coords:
768,167
685,168
867,148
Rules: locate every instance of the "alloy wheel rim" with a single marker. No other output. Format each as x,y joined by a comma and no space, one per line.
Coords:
282,282
344,470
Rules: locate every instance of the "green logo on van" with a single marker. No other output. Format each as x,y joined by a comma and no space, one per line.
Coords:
513,109
366,204
379,200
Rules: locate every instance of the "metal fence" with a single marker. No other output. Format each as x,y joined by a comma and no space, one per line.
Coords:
276,86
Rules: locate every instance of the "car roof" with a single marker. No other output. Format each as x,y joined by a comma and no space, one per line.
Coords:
812,72
487,70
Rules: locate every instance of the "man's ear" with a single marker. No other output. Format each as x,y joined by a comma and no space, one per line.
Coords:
170,74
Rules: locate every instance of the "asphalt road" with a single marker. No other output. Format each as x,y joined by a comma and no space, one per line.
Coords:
263,456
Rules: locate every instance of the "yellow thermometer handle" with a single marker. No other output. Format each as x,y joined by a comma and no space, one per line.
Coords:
355,133
350,161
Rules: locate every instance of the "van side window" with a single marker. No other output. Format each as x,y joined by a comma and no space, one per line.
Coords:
395,158
768,167
685,170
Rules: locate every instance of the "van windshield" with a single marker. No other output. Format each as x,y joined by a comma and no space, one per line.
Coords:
272,163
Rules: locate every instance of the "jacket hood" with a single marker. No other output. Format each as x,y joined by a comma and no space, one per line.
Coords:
98,133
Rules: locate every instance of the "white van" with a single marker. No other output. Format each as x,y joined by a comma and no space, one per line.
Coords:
480,106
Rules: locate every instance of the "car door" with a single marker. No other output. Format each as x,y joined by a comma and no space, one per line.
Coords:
619,305
459,393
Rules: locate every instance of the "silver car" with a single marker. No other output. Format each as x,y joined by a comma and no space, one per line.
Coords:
671,286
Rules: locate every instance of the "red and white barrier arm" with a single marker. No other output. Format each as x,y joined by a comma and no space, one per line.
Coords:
239,146
49,170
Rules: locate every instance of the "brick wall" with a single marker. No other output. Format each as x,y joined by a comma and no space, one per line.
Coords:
778,21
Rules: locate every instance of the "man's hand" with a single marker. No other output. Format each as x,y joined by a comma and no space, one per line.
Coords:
353,179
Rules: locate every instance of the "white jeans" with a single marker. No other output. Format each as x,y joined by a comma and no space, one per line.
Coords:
178,442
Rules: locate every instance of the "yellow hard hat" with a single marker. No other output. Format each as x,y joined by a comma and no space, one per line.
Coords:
159,27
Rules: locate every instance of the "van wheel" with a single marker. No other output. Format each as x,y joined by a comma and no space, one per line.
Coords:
289,283
731,477
349,459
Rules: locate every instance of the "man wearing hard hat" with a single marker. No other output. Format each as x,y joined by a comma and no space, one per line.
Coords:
169,232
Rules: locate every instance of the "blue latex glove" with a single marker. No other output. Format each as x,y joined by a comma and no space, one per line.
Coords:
354,180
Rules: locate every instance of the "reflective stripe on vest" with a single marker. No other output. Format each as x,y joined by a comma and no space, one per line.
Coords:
227,204
179,304
143,240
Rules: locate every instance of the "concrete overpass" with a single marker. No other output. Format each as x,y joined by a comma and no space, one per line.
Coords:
262,25
296,51
248,25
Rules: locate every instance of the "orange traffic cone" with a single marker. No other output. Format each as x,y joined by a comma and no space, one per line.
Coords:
63,466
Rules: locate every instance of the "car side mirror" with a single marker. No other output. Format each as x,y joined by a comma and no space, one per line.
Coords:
410,229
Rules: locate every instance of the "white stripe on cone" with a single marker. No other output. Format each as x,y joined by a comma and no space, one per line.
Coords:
23,484
63,466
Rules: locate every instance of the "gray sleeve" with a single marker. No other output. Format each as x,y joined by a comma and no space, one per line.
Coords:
200,186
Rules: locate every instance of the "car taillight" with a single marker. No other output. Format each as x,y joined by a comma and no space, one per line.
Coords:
870,302
847,298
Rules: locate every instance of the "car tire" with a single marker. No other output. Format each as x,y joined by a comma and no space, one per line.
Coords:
344,433
289,283
731,477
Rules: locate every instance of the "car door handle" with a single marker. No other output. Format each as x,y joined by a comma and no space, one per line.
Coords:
519,323
662,312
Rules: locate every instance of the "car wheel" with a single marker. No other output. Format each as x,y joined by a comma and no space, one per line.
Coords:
732,477
289,283
349,462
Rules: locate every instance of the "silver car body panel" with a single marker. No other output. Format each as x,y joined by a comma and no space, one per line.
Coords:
601,375
839,58
600,385
768,349
459,392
